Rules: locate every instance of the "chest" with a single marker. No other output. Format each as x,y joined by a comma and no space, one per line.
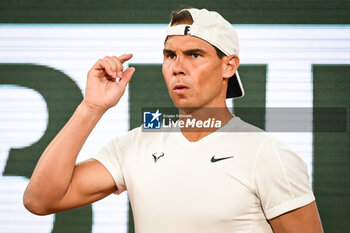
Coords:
189,182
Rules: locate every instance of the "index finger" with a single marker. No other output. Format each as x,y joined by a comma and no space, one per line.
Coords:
123,58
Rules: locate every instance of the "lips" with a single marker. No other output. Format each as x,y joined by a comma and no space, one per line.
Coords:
180,88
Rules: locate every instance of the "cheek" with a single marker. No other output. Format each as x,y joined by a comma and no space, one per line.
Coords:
209,77
166,74
166,68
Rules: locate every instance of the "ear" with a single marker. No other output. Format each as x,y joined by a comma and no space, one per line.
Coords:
231,64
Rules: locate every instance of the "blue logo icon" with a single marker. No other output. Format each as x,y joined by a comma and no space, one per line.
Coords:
151,120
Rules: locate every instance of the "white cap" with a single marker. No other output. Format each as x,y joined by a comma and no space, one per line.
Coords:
211,27
217,31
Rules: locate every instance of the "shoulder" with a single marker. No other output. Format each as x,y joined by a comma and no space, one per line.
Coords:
248,136
236,124
137,136
126,138
257,144
130,135
275,158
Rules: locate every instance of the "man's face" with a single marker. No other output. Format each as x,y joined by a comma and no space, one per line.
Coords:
193,73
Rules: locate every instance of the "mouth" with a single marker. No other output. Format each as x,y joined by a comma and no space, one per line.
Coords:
180,88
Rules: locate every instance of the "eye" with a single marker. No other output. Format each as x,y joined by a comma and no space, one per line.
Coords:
172,56
195,55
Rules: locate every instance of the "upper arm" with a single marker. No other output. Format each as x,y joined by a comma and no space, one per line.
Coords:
304,219
281,179
91,181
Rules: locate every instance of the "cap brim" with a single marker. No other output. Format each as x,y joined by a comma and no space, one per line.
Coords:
235,87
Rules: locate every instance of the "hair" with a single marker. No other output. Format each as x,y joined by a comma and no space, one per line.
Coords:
184,17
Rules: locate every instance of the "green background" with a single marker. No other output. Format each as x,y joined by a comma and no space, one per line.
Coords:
331,150
152,11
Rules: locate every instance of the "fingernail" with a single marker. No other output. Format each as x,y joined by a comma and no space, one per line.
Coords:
120,74
114,74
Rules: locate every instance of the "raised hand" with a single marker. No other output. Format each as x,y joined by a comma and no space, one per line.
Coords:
102,89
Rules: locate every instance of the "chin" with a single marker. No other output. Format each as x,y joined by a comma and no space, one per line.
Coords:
188,101
181,102
185,103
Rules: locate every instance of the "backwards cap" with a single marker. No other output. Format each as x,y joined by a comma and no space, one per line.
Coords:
213,28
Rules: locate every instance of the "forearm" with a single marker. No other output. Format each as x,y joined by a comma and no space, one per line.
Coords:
53,173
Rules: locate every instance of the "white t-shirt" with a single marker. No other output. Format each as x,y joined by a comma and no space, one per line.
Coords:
230,181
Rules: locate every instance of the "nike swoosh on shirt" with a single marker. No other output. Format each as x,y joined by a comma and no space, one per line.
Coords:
214,160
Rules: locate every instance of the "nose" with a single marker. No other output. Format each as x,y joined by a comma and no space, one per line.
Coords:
178,66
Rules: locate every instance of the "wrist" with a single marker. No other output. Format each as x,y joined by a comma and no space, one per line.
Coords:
92,109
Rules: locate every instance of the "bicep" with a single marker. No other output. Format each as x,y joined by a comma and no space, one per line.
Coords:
91,181
304,219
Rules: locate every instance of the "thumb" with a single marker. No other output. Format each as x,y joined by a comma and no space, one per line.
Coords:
127,74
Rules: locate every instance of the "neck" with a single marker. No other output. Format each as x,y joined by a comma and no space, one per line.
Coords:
214,117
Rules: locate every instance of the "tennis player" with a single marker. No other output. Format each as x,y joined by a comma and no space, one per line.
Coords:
234,179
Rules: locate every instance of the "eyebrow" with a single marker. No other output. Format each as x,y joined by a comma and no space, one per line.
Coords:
194,51
190,51
168,51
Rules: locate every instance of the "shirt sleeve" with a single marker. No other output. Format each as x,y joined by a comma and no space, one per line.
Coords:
281,179
109,157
